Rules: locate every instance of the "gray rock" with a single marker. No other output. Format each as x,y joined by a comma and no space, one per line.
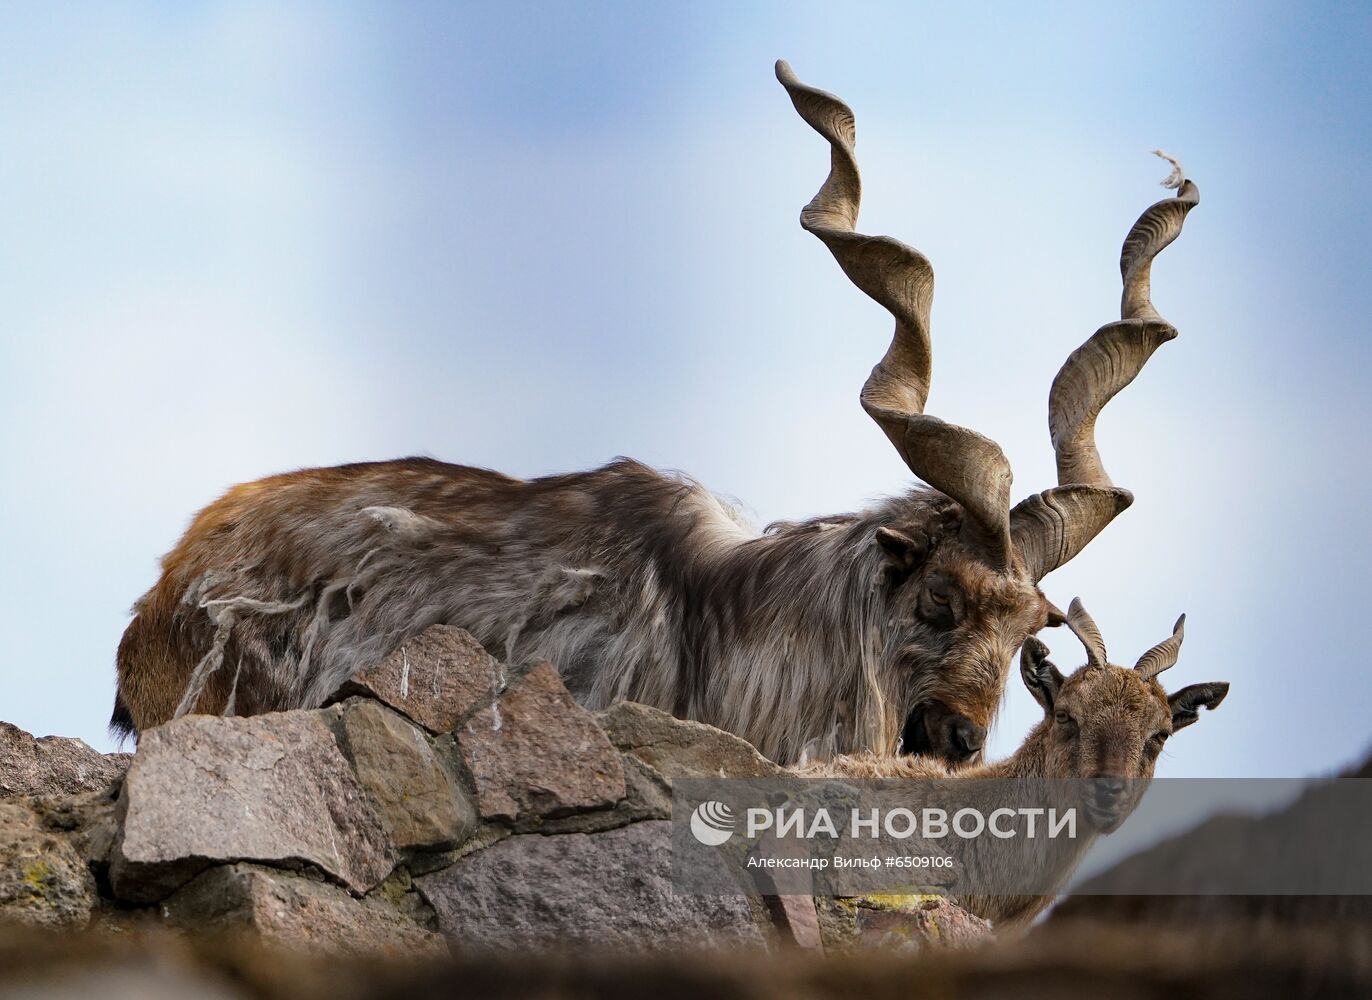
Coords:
609,889
797,917
536,752
486,834
88,820
677,748
419,803
438,678
43,880
30,766
648,796
272,788
300,914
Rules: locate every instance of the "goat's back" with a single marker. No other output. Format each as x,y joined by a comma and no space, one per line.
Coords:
279,573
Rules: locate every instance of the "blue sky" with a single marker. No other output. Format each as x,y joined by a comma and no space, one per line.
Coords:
247,238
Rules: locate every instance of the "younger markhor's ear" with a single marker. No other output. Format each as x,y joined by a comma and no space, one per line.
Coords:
1040,676
1187,702
903,553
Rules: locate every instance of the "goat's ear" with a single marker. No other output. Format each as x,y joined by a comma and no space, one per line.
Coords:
1056,616
903,553
1040,676
1187,702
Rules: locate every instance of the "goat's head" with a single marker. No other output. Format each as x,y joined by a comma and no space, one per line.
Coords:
1107,723
953,625
963,574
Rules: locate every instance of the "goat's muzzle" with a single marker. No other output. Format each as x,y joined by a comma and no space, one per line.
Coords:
1106,801
935,729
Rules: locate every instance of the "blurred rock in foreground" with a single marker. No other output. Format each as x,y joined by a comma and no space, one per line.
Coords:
1100,961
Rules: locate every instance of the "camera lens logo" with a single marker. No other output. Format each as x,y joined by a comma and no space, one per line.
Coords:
712,823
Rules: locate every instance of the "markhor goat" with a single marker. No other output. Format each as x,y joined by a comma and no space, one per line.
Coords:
1104,723
852,632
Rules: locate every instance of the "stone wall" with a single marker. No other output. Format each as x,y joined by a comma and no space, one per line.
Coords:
442,799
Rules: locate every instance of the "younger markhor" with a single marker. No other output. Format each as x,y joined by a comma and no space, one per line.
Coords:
1104,726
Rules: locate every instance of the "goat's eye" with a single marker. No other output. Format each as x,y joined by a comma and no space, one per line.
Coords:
937,605
1158,739
1062,718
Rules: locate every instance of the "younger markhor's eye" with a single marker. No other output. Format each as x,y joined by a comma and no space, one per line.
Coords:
1062,718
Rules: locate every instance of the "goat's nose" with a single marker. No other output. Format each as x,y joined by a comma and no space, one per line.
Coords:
1108,788
966,737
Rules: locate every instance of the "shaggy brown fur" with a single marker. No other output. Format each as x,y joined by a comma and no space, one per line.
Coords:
636,584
